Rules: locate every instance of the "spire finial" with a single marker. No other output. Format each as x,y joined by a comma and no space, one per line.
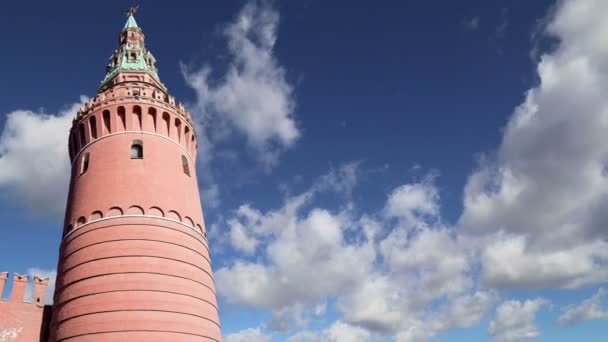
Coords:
132,10
131,23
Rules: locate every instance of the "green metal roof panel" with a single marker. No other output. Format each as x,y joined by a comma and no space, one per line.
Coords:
131,23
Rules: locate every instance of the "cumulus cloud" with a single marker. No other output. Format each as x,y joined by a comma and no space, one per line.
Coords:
533,217
248,335
339,331
253,97
507,264
413,203
547,189
248,226
343,332
341,180
514,320
34,161
382,274
590,308
308,261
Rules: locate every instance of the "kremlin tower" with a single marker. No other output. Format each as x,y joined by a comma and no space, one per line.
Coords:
134,259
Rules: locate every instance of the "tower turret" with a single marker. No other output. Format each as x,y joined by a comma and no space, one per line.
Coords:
134,259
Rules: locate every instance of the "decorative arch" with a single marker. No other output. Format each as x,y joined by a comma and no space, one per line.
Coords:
114,211
200,229
96,215
174,215
156,211
81,220
188,221
135,210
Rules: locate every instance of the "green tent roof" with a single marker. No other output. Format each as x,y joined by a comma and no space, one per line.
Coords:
131,23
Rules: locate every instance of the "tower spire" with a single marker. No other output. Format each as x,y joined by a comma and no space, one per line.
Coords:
131,56
131,23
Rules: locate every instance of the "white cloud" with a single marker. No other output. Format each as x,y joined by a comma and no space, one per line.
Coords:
514,320
534,217
341,180
308,260
34,159
240,238
413,203
507,263
547,189
464,311
304,336
378,303
590,308
249,226
339,331
343,332
311,255
254,96
248,335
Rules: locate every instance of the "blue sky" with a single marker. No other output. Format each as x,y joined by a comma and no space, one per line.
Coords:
408,172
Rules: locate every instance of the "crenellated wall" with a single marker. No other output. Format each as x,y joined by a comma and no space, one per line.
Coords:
24,321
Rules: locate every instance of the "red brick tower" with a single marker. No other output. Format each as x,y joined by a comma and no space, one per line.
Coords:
134,261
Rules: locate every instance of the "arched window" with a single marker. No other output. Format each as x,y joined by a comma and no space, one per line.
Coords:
74,143
185,165
71,147
106,121
85,163
136,118
137,149
121,117
186,136
178,128
93,127
165,127
152,118
83,139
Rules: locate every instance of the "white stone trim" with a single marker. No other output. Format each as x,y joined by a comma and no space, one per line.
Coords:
76,157
123,216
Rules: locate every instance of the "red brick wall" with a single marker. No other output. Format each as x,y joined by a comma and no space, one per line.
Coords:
22,321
